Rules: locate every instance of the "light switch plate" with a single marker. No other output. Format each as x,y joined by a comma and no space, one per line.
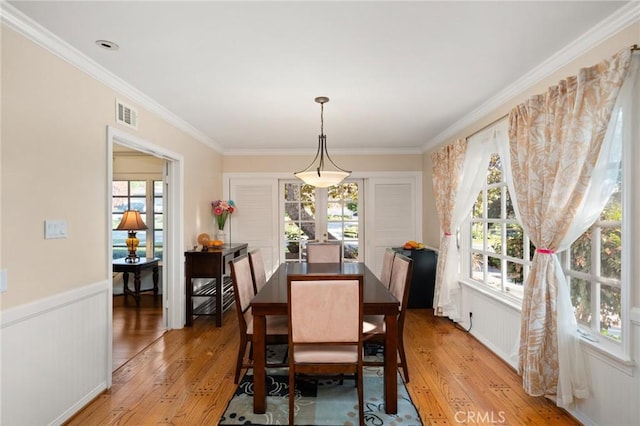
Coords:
55,229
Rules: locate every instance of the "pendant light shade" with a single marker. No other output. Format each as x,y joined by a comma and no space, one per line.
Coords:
316,174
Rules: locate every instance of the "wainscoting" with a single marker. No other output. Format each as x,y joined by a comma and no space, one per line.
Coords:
614,384
64,363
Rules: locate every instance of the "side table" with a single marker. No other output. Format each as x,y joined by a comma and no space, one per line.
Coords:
119,265
216,294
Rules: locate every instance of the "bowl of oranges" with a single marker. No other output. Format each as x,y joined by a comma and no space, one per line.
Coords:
413,245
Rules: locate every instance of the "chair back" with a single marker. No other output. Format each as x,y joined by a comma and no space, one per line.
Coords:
387,264
325,330
258,271
242,288
325,310
327,252
400,282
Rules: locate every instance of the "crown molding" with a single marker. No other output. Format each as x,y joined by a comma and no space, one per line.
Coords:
616,22
22,24
301,152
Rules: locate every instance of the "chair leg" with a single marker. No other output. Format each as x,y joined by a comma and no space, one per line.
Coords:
403,358
241,350
360,386
292,391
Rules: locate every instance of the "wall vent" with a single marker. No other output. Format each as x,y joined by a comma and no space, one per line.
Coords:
126,115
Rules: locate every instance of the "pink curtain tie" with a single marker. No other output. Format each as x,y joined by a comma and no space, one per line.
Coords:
545,251
447,234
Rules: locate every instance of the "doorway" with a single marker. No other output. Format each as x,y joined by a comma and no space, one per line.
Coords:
172,269
323,214
137,185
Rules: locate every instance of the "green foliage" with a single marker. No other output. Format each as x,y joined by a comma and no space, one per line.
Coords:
610,266
351,231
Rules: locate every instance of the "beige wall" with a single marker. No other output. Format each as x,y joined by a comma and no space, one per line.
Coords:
622,40
294,163
53,159
54,166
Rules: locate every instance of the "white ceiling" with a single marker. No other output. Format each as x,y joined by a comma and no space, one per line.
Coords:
400,75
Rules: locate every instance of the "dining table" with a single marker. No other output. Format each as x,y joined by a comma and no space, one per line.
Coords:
272,300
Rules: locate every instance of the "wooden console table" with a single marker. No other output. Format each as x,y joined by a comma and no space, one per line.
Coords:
213,296
120,265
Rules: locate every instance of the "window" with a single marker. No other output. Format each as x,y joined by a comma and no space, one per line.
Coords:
341,222
500,253
593,265
137,195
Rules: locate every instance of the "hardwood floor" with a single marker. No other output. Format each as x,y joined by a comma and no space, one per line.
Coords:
186,378
135,328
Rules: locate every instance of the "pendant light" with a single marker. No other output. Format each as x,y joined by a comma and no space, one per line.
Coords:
316,174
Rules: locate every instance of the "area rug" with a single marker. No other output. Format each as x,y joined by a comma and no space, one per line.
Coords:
320,402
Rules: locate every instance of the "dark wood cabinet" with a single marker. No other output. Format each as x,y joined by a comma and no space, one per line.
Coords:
424,277
208,288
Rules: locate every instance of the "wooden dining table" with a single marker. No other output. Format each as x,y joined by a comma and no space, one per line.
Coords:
272,300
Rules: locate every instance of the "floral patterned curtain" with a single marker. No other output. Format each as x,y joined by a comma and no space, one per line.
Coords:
447,165
555,142
459,171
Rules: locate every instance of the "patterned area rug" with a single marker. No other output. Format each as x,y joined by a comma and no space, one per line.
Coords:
320,402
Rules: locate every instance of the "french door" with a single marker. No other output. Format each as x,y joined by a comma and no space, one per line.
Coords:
322,214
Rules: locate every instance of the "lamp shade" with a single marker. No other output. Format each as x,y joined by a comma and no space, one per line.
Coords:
131,221
323,179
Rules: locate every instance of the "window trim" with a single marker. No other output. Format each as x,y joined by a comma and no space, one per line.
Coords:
321,222
149,215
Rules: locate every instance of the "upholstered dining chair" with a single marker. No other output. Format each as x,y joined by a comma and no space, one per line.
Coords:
243,290
387,264
327,252
374,325
325,331
258,271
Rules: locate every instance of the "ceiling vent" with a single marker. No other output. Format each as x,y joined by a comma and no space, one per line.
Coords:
126,115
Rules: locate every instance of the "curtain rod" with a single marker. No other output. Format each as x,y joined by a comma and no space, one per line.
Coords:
488,125
635,48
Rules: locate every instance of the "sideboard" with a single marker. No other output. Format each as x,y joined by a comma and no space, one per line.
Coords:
423,279
208,287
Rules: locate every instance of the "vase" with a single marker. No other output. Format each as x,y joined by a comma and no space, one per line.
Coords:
220,235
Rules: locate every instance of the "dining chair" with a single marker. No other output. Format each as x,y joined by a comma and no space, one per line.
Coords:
325,331
243,290
258,271
374,325
387,264
327,252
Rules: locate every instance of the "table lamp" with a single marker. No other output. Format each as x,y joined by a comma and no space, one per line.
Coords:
132,222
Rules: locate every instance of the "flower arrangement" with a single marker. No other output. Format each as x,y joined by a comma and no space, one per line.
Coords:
221,210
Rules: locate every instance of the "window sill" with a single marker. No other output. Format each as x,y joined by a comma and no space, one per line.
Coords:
611,357
505,298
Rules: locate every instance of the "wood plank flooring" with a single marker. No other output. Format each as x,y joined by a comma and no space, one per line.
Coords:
135,327
186,378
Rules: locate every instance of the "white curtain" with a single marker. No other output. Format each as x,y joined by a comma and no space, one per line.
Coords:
564,164
474,175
